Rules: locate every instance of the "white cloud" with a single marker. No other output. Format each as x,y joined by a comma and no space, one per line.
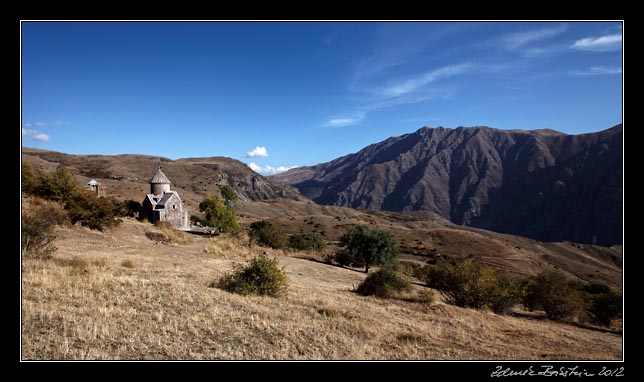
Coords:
412,84
597,71
268,169
343,121
259,151
27,125
62,123
516,40
35,135
40,124
599,44
41,137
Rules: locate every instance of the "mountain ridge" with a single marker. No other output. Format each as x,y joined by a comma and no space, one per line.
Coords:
542,184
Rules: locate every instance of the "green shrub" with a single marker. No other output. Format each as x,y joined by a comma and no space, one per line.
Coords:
370,246
603,308
505,294
268,234
37,237
555,294
229,195
60,186
261,276
384,283
219,215
307,241
83,206
92,212
466,283
29,178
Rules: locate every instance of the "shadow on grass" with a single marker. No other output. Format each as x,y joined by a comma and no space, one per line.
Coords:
539,316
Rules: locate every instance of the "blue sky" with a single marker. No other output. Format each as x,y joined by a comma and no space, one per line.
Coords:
277,95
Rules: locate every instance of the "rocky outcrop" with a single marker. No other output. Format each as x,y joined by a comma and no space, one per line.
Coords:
541,184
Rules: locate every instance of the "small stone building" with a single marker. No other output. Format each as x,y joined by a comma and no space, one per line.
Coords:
94,186
163,204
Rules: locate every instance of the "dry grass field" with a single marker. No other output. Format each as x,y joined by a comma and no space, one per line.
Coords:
120,295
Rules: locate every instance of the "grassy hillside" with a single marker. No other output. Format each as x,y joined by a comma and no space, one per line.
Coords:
423,235
119,295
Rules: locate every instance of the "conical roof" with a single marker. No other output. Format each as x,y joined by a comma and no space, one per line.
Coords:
160,177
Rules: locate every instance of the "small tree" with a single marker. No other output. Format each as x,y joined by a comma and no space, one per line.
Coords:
266,233
60,186
370,246
219,215
229,195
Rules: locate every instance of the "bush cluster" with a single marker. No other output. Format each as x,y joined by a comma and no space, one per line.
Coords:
82,206
464,282
268,234
384,283
307,241
261,276
467,283
220,214
555,294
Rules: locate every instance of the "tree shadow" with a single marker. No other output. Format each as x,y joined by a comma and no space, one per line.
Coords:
538,316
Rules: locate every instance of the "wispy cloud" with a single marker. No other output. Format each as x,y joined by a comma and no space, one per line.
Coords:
268,169
344,121
57,123
35,135
259,151
606,43
412,84
517,40
60,122
402,92
597,71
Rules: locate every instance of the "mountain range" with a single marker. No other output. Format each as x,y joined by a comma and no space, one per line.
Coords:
541,184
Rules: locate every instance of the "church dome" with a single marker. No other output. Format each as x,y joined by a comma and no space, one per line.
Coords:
159,178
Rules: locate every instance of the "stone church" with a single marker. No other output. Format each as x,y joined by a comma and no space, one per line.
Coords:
162,204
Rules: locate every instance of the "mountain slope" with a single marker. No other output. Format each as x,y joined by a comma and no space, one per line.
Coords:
127,176
541,184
